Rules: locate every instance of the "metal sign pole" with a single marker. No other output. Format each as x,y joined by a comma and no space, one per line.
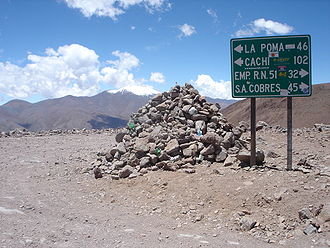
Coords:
253,132
289,133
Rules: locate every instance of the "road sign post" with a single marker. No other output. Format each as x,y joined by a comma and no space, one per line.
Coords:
253,132
289,133
278,66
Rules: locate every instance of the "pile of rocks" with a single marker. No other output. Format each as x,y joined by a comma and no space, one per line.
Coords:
173,131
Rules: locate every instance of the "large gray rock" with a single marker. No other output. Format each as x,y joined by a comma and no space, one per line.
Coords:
119,136
229,140
121,148
212,138
173,147
157,98
208,150
199,117
144,162
118,164
142,145
190,151
310,229
126,171
192,111
221,156
245,156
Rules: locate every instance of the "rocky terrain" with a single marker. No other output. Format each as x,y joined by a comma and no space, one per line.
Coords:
177,176
49,199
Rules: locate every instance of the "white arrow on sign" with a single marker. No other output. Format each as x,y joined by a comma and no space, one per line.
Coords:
303,73
303,86
239,48
239,61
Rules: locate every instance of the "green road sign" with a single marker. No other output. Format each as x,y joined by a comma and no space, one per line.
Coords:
278,66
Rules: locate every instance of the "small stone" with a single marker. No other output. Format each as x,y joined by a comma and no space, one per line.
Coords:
310,229
230,160
114,177
272,154
119,137
97,173
199,217
247,224
126,171
189,171
305,213
108,157
260,125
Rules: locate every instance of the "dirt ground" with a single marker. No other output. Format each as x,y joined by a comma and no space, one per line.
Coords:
49,199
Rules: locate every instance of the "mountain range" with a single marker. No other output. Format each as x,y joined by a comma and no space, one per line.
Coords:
109,109
112,109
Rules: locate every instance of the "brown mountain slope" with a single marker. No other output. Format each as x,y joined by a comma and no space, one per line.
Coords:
306,110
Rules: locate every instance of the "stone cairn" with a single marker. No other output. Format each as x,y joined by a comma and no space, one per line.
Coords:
175,130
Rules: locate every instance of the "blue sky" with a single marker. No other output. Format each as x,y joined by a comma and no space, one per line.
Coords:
52,48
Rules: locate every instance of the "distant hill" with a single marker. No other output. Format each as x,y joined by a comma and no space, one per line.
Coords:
105,110
306,110
109,109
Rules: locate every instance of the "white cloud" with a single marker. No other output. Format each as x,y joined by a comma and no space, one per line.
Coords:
186,30
126,61
208,87
114,8
133,27
69,70
264,26
213,14
157,77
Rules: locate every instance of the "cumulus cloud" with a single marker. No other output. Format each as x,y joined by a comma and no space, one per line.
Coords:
157,77
186,30
208,87
114,8
213,14
69,70
264,26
